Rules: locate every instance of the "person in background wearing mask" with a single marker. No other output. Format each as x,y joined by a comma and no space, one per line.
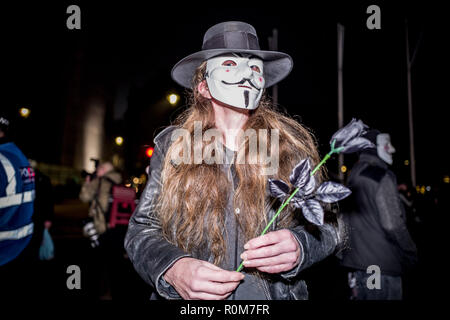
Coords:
375,219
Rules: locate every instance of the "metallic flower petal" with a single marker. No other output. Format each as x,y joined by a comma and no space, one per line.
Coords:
313,212
330,192
309,186
278,189
357,144
349,137
300,174
297,202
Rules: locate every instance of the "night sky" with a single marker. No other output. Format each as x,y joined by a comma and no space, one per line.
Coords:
134,45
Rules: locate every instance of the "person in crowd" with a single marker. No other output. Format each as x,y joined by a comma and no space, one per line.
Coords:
378,237
97,191
17,194
196,220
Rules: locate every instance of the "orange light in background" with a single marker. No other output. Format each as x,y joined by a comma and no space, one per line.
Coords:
149,152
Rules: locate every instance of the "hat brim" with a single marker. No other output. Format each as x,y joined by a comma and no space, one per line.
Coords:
277,65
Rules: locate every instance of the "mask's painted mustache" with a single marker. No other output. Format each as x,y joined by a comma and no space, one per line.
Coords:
242,82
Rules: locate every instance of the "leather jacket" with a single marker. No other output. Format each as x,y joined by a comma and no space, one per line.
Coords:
151,254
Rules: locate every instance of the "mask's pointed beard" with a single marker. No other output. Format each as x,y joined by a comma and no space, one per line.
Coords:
246,98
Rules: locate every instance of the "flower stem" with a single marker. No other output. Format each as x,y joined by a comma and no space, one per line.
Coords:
272,220
328,155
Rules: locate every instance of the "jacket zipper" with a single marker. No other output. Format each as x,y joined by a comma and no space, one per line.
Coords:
236,252
264,282
266,289
237,229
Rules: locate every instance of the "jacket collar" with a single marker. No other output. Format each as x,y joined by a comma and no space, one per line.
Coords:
373,160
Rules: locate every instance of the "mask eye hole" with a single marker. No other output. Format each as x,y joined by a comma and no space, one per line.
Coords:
229,63
256,68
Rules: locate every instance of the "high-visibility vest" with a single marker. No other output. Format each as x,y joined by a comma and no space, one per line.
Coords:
16,202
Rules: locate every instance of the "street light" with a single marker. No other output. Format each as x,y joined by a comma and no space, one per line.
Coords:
173,98
24,112
119,141
149,152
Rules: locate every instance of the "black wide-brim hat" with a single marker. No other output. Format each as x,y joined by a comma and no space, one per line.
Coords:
233,37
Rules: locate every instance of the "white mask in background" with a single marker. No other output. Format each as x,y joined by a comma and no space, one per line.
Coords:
236,81
385,148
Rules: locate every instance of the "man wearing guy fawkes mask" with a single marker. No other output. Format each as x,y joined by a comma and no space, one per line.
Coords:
236,80
377,232
196,222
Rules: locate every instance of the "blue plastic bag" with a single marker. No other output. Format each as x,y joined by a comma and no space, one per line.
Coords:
47,249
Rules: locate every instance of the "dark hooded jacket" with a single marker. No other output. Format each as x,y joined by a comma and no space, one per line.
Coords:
375,219
151,254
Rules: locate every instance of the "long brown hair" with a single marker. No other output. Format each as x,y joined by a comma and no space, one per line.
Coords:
194,197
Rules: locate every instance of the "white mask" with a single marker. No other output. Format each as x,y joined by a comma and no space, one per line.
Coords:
236,81
385,148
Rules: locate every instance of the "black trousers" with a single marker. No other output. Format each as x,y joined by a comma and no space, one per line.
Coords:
390,287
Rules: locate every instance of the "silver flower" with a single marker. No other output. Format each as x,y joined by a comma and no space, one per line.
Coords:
349,138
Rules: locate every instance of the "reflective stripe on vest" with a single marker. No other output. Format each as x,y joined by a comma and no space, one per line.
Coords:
19,233
17,199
